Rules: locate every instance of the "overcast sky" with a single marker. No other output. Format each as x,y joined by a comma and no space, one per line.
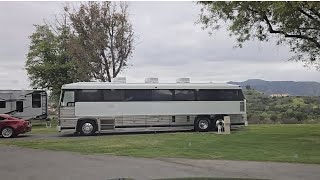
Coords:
169,46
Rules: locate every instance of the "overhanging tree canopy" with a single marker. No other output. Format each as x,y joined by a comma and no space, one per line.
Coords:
294,23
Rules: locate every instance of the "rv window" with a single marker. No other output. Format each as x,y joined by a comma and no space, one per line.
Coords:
36,100
67,98
2,104
19,106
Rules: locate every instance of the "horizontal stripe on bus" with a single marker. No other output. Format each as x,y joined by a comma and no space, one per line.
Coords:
160,125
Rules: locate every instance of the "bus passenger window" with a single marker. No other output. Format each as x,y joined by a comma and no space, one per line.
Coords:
184,95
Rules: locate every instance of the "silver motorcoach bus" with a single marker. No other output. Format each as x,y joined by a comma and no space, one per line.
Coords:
91,107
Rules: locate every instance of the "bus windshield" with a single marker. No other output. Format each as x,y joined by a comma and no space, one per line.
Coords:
67,98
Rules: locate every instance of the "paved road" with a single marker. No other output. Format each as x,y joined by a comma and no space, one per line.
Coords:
31,164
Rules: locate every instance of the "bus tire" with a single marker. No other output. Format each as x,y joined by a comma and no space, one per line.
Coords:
87,128
202,124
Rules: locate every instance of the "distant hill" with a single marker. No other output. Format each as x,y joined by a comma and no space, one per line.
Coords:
299,88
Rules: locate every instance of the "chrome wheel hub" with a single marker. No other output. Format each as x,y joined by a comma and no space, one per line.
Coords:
87,128
203,124
7,132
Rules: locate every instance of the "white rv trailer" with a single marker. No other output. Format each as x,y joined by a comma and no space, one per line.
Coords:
26,104
90,107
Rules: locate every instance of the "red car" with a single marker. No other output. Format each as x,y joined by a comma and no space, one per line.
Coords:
12,126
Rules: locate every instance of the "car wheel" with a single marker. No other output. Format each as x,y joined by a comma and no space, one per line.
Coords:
87,128
7,132
202,124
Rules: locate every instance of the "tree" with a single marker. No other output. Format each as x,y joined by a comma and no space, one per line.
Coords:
248,87
262,118
300,116
274,118
103,38
296,23
48,64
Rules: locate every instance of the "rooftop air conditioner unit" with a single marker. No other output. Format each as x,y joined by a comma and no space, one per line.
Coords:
183,80
151,80
119,80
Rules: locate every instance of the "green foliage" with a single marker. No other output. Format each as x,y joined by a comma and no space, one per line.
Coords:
95,45
296,23
291,109
103,38
273,117
49,65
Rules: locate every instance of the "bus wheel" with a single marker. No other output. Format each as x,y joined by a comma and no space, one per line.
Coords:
87,128
202,124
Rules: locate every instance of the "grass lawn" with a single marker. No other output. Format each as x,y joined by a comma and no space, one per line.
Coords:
40,128
284,143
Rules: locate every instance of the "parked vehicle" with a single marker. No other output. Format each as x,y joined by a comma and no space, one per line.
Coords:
90,107
26,104
12,126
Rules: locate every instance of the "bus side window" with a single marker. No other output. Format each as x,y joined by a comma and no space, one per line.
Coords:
162,95
110,95
184,95
138,95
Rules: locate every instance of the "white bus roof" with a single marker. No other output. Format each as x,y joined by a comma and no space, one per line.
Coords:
108,85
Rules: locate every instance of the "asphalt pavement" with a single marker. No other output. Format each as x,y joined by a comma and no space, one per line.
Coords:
32,164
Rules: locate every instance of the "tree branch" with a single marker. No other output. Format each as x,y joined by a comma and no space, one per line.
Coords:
309,16
305,13
315,12
107,65
299,36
